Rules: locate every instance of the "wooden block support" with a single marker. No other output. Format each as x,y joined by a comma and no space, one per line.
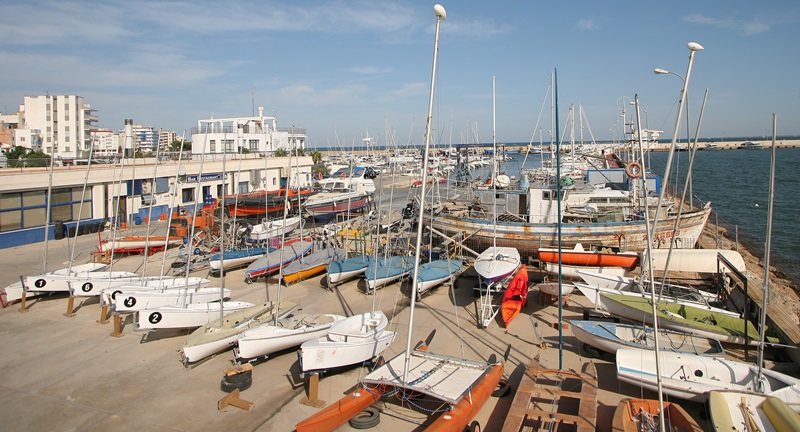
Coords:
237,369
564,326
233,399
70,306
313,393
117,326
22,307
103,315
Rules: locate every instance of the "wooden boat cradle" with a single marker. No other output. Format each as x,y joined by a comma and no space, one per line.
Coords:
548,396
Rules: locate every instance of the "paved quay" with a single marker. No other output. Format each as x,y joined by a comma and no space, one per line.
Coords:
69,374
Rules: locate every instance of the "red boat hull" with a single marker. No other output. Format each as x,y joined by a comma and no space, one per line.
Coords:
515,296
585,258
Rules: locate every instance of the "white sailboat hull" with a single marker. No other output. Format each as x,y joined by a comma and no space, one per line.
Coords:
217,336
141,300
190,316
350,341
267,339
153,284
691,377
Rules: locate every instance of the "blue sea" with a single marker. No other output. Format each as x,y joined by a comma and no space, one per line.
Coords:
737,184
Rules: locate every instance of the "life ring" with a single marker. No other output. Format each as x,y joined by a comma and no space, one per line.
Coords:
633,170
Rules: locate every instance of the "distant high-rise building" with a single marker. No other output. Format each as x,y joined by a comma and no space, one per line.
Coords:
64,122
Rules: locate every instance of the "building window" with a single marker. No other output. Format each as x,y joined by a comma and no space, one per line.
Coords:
29,209
213,145
253,144
187,195
243,187
227,145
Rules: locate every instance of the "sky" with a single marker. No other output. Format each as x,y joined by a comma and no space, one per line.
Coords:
345,69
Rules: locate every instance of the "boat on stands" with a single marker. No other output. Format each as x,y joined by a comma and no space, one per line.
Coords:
261,202
740,411
13,292
271,337
497,263
350,341
692,377
329,203
435,272
723,325
597,256
610,337
272,228
384,270
222,333
555,289
185,316
641,415
531,219
515,296
139,244
344,269
272,261
543,392
311,264
152,284
235,258
131,301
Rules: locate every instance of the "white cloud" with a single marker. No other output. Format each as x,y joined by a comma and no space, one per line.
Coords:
745,28
588,24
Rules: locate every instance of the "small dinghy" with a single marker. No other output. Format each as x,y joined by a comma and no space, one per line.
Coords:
641,415
342,270
187,316
497,263
235,258
267,338
348,342
219,335
435,272
610,337
311,264
382,271
277,258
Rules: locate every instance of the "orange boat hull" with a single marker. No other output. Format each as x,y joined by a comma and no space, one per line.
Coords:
594,259
303,274
340,412
629,409
457,419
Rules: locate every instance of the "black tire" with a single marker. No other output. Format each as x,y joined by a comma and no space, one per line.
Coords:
240,377
473,427
369,418
591,351
503,389
228,386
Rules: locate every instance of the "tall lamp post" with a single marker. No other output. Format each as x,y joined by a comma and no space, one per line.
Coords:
693,48
660,71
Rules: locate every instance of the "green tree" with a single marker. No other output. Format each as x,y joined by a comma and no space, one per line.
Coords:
281,152
175,145
316,157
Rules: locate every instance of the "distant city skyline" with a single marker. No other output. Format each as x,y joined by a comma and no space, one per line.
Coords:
345,69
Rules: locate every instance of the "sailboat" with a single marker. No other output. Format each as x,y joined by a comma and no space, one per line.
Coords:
384,270
222,333
610,337
740,411
292,331
435,272
290,251
236,258
464,385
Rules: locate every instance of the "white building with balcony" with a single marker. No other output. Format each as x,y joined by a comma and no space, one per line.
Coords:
64,122
261,134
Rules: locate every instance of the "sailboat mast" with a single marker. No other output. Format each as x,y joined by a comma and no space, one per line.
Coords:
441,15
765,297
558,225
494,169
49,218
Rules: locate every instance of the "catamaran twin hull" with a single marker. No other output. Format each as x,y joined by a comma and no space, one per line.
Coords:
528,237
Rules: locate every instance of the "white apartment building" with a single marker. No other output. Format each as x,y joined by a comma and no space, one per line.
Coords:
145,138
259,134
64,122
106,142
